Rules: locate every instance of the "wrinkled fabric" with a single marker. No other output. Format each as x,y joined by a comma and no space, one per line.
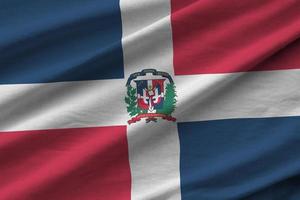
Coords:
64,131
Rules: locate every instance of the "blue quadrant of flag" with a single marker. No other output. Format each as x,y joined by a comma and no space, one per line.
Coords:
228,159
66,41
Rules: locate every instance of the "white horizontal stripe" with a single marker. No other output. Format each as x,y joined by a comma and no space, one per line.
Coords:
101,103
239,95
62,105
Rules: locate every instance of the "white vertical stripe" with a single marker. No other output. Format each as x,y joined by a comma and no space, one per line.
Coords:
153,147
154,160
147,38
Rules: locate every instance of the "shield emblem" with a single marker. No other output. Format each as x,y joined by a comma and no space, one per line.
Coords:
150,94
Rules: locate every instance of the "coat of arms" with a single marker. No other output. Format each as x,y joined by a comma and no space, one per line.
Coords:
150,95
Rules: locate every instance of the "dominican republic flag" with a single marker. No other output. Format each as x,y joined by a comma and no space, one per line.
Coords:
149,99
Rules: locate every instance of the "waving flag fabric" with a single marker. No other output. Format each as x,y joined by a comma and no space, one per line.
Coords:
149,99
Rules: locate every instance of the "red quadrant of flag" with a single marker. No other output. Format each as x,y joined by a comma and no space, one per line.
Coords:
79,163
235,36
